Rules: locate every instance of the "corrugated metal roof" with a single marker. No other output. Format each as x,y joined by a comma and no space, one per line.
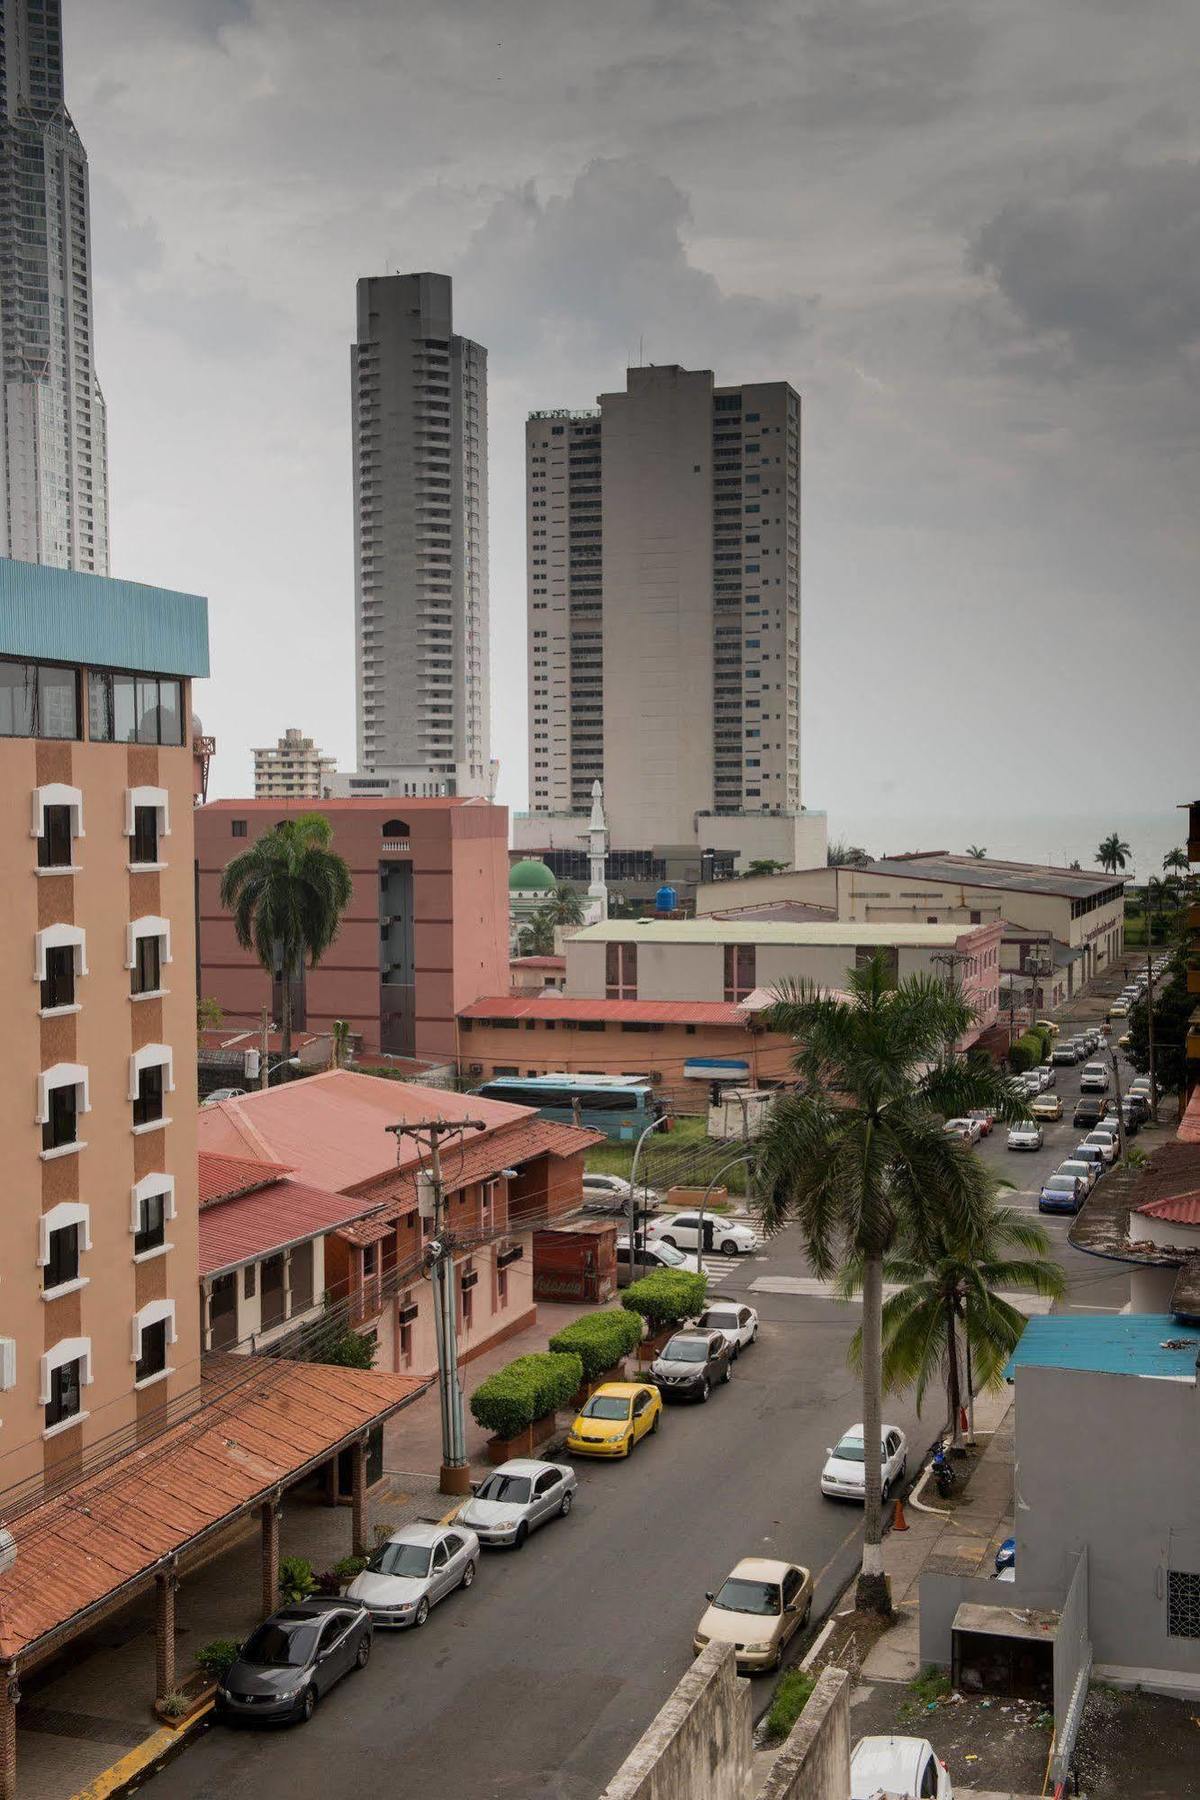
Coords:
238,1231
1117,1344
550,1005
374,1229
67,616
1015,877
819,933
75,1550
482,1158
224,1177
537,962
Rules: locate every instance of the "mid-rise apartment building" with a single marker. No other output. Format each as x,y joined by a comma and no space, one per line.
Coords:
98,1320
292,769
664,617
419,405
53,446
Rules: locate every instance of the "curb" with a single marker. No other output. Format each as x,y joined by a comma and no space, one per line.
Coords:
152,1754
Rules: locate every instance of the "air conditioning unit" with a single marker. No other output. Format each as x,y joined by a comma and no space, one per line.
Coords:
474,1068
656,1075
406,1314
510,1254
470,1279
251,1065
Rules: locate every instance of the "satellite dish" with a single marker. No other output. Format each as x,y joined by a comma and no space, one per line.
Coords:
8,1550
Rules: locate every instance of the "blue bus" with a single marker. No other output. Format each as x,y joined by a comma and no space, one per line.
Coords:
621,1106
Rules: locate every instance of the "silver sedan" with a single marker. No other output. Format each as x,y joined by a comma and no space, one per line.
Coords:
516,1498
413,1569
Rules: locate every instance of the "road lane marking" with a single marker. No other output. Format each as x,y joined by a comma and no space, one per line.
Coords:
809,1287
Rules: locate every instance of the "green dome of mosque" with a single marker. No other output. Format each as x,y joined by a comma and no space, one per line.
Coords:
531,876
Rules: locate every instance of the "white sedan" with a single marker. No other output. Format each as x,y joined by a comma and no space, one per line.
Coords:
1026,1134
844,1474
728,1236
898,1765
969,1130
737,1324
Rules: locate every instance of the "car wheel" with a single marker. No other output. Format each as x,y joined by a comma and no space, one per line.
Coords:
754,1335
468,1575
885,1493
522,1532
807,1613
657,1422
364,1652
422,1612
729,1248
669,1240
564,1505
705,1390
308,1703
727,1372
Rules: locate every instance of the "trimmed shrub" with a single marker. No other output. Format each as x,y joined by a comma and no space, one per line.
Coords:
216,1658
524,1390
666,1297
599,1339
1026,1053
1044,1038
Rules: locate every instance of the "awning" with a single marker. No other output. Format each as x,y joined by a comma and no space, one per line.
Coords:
715,1068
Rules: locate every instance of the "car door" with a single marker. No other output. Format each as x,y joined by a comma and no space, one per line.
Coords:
331,1650
547,1492
793,1581
745,1324
439,1577
683,1231
641,1413
891,1446
457,1554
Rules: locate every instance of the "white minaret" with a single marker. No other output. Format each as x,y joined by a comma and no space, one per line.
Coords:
597,906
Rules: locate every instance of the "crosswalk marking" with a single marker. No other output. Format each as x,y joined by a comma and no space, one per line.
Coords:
809,1287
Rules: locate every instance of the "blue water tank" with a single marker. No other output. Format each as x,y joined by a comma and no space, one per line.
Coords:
666,899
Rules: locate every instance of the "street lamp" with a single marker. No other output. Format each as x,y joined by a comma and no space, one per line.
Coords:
744,1156
662,1120
285,1062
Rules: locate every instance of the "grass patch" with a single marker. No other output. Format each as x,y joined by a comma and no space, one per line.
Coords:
791,1697
930,1684
665,1154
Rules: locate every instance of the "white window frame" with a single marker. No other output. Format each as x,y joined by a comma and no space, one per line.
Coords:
149,925
8,1364
62,1075
57,793
149,1188
68,1212
66,1350
58,937
147,796
152,1056
151,1314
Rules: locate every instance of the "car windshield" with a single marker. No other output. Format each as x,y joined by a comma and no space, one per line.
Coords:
514,1490
669,1254
1073,1169
761,1597
720,1321
850,1450
1061,1184
1025,1125
400,1559
606,1406
685,1350
281,1644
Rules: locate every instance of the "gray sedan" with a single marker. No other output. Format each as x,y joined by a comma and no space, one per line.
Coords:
516,1498
291,1660
413,1569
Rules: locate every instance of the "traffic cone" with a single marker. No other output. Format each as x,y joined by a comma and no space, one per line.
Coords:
962,1418
899,1522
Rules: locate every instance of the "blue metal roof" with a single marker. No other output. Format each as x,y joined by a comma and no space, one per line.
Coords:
60,615
1110,1344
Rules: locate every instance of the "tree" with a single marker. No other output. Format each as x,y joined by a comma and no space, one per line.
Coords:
332,1342
859,1152
287,894
978,851
536,938
1173,1007
209,1014
1112,852
339,1043
1177,861
846,856
1161,897
564,906
950,1296
763,865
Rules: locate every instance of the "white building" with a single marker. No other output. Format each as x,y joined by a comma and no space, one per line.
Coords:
292,769
53,448
419,405
663,581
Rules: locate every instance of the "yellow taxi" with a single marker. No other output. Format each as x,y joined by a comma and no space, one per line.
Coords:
1047,1025
1046,1106
616,1417
1125,1039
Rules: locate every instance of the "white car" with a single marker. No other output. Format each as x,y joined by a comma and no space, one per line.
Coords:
898,1765
969,1131
1025,1135
649,1257
844,1474
516,1498
737,1324
683,1231
414,1568
1094,1079
1086,1171
1104,1141
614,1188
219,1094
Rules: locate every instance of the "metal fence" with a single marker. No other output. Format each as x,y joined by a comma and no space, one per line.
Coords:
1072,1667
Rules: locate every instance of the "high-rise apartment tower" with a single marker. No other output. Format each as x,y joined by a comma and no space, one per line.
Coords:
53,450
419,402
664,614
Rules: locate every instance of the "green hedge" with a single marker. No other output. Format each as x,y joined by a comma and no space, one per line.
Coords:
1026,1053
525,1390
599,1339
666,1297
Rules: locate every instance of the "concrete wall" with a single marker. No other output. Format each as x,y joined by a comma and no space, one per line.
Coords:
612,1051
814,1763
942,1595
816,886
699,1745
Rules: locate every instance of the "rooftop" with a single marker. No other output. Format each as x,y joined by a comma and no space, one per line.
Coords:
228,1177
388,803
1017,877
561,1008
276,1215
790,912
63,615
840,934
1147,1344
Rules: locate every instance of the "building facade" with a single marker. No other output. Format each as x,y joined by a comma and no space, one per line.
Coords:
664,614
292,769
419,417
425,933
98,1326
53,446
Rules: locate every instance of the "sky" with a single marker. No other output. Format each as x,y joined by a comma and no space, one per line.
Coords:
968,234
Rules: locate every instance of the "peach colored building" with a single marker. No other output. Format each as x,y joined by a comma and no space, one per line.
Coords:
98,1321
425,933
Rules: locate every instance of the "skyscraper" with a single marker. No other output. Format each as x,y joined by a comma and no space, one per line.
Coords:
53,448
664,618
419,405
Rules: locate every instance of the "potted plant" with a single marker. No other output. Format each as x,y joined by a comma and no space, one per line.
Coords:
213,1663
600,1340
517,1403
663,1300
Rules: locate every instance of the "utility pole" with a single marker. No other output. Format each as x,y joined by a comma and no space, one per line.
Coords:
1150,1032
264,1040
428,1135
950,960
1120,1116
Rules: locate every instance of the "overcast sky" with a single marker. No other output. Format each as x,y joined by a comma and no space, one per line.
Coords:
969,234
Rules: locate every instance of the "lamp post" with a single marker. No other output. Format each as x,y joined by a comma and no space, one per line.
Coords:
285,1062
743,1156
654,1125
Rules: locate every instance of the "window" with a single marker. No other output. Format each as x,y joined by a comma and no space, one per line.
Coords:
151,1232
62,1096
147,970
249,1281
620,971
222,1312
739,971
66,1385
38,700
237,827
145,835
1183,1604
147,822
54,845
62,1265
153,1331
148,1101
134,709
271,1291
300,1277
58,983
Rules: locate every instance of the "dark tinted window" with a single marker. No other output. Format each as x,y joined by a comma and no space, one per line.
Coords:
54,845
61,1127
152,1225
58,983
147,967
38,700
63,1265
281,1643
153,1357
148,1107
145,834
65,1388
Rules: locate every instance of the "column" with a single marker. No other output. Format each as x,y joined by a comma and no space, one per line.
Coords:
10,1693
166,1584
268,1512
358,1506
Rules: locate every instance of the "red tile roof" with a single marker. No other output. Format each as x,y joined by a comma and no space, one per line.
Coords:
537,962
270,1421
614,1012
377,1226
224,1177
481,1158
1180,1209
1189,1125
282,1213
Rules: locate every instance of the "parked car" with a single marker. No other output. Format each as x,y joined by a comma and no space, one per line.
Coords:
966,1130
1048,1076
728,1236
898,1765
219,1094
1094,1079
1047,1025
292,1659
759,1607
1026,1134
1124,1041
1046,1106
414,1568
1087,1169
984,1119
1079,1045
615,1418
691,1364
1087,1113
610,1194
1138,1103
1140,1085
1103,1143
1062,1054
649,1256
844,1475
1119,1010
1062,1193
516,1498
737,1322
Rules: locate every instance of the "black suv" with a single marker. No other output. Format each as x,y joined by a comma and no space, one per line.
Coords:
1088,1112
691,1363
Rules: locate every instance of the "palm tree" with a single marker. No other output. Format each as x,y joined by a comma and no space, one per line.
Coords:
978,851
1160,896
287,894
1112,852
339,1043
564,906
537,937
1176,860
950,1286
847,856
858,1152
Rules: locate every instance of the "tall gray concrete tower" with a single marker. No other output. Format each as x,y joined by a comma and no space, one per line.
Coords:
53,445
419,404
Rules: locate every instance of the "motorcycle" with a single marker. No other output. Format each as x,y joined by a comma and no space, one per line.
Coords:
943,1472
